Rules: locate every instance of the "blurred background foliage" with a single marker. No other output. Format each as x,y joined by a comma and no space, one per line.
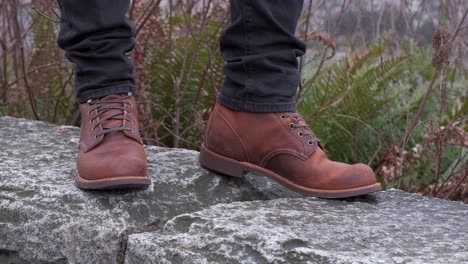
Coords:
374,87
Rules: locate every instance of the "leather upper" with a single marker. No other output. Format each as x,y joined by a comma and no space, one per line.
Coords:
272,141
104,153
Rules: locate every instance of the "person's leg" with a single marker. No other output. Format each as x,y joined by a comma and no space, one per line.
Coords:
254,126
96,35
261,52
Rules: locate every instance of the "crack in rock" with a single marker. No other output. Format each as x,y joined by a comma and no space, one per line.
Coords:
151,227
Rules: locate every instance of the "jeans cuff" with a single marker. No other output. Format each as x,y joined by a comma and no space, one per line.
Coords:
98,93
255,107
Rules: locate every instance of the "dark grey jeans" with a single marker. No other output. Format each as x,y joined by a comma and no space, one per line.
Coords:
259,48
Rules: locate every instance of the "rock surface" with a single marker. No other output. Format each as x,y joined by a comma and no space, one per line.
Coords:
189,215
389,227
44,218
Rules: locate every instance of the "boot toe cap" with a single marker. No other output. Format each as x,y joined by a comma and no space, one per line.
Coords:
111,167
349,177
360,175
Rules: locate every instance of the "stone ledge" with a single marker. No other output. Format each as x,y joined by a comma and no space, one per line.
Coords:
189,214
389,227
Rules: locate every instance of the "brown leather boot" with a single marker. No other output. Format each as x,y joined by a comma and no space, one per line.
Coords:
111,154
282,147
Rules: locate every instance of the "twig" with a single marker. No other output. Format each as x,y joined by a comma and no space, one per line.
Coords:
146,16
379,136
324,57
306,34
465,169
453,168
68,81
44,15
420,109
23,63
429,90
36,69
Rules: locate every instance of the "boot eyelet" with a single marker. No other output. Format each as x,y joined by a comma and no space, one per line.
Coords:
310,142
283,117
300,134
291,126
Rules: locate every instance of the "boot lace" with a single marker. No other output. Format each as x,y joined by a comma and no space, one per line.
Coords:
304,129
103,106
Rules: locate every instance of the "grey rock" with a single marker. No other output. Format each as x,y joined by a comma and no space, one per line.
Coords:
190,215
387,227
44,218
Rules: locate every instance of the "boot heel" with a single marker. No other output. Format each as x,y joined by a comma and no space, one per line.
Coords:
220,164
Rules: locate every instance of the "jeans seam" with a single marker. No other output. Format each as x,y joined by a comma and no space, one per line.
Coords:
248,46
104,91
239,104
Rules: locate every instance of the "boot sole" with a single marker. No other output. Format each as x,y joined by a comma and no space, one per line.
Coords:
227,166
128,182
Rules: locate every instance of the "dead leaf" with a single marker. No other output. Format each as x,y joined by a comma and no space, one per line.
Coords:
62,130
